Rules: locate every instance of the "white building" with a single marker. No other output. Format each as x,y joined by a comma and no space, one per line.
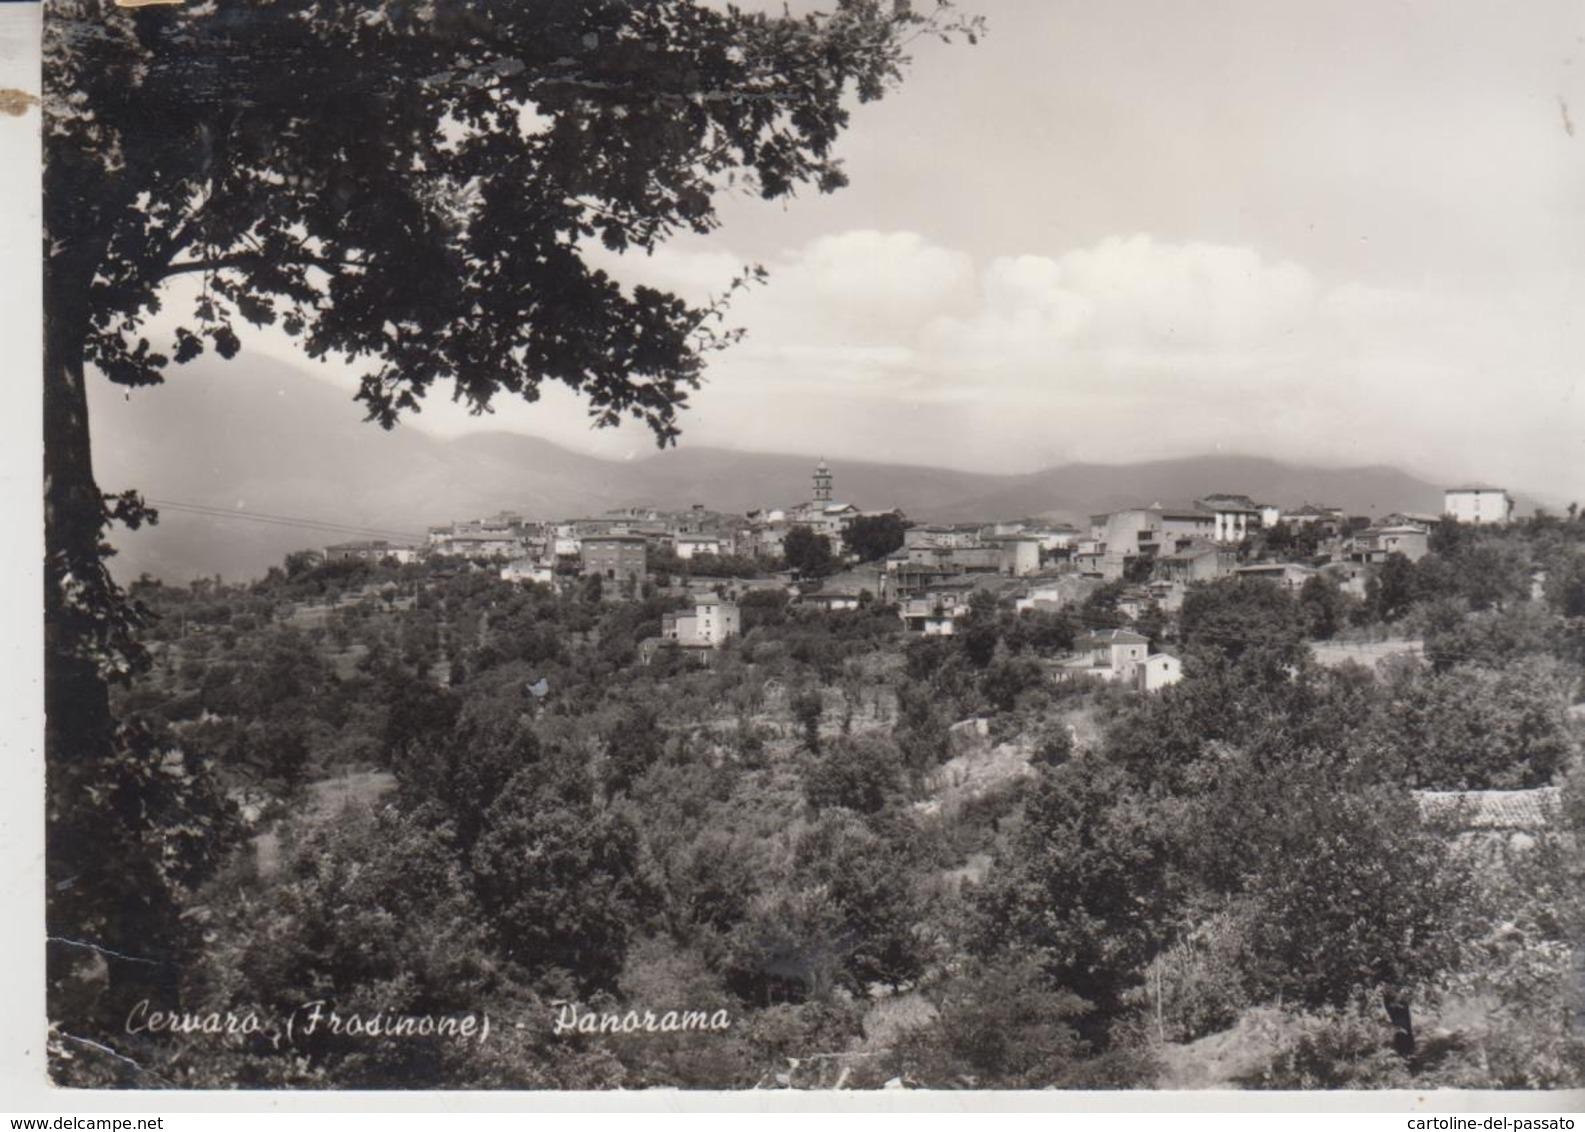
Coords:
1020,555
687,546
1478,504
528,570
1121,656
710,624
1108,654
1289,575
1235,516
1157,671
375,551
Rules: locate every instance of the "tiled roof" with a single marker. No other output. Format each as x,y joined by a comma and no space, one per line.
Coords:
1491,809
957,582
1116,637
1196,550
1275,567
1227,503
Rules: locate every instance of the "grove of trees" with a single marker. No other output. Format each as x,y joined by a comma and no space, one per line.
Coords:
799,834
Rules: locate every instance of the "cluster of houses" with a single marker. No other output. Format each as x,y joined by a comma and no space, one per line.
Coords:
624,543
1156,551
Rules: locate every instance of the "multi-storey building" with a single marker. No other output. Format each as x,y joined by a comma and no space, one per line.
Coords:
377,550
712,623
614,556
1478,503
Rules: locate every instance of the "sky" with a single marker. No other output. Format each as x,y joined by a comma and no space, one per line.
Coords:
1341,233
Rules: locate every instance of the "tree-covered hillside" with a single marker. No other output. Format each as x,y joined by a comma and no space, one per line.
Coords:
869,857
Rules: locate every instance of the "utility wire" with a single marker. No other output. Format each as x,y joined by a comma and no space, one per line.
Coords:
320,525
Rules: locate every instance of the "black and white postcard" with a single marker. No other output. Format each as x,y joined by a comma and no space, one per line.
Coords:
839,546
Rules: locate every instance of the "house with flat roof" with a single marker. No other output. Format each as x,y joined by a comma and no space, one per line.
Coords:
375,550
1480,504
529,570
1199,562
934,608
1288,575
613,556
1372,545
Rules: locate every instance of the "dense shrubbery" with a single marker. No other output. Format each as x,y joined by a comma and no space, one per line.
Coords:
785,832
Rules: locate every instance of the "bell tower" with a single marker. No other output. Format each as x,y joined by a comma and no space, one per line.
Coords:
822,482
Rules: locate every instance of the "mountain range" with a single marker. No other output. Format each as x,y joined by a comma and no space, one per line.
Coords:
263,439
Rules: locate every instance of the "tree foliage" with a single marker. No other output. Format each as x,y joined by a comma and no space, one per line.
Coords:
1085,891
1247,622
1354,899
372,913
424,190
559,880
1001,1026
873,537
1238,850
490,146
1475,728
808,553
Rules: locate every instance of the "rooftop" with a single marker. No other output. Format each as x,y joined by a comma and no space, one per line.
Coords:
1491,809
1116,637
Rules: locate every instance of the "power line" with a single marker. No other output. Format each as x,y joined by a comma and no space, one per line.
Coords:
282,521
319,525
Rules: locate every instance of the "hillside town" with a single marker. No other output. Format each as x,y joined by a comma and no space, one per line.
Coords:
1150,555
1235,776
1119,708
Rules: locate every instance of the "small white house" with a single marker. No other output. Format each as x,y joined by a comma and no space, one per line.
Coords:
1158,670
688,546
831,602
528,570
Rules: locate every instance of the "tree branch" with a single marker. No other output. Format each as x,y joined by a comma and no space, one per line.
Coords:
255,259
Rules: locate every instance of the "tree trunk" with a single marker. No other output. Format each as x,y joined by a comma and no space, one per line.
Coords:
1398,1014
76,701
99,908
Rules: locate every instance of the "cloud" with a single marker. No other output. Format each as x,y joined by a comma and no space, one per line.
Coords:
1127,302
861,287
1137,348
885,345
